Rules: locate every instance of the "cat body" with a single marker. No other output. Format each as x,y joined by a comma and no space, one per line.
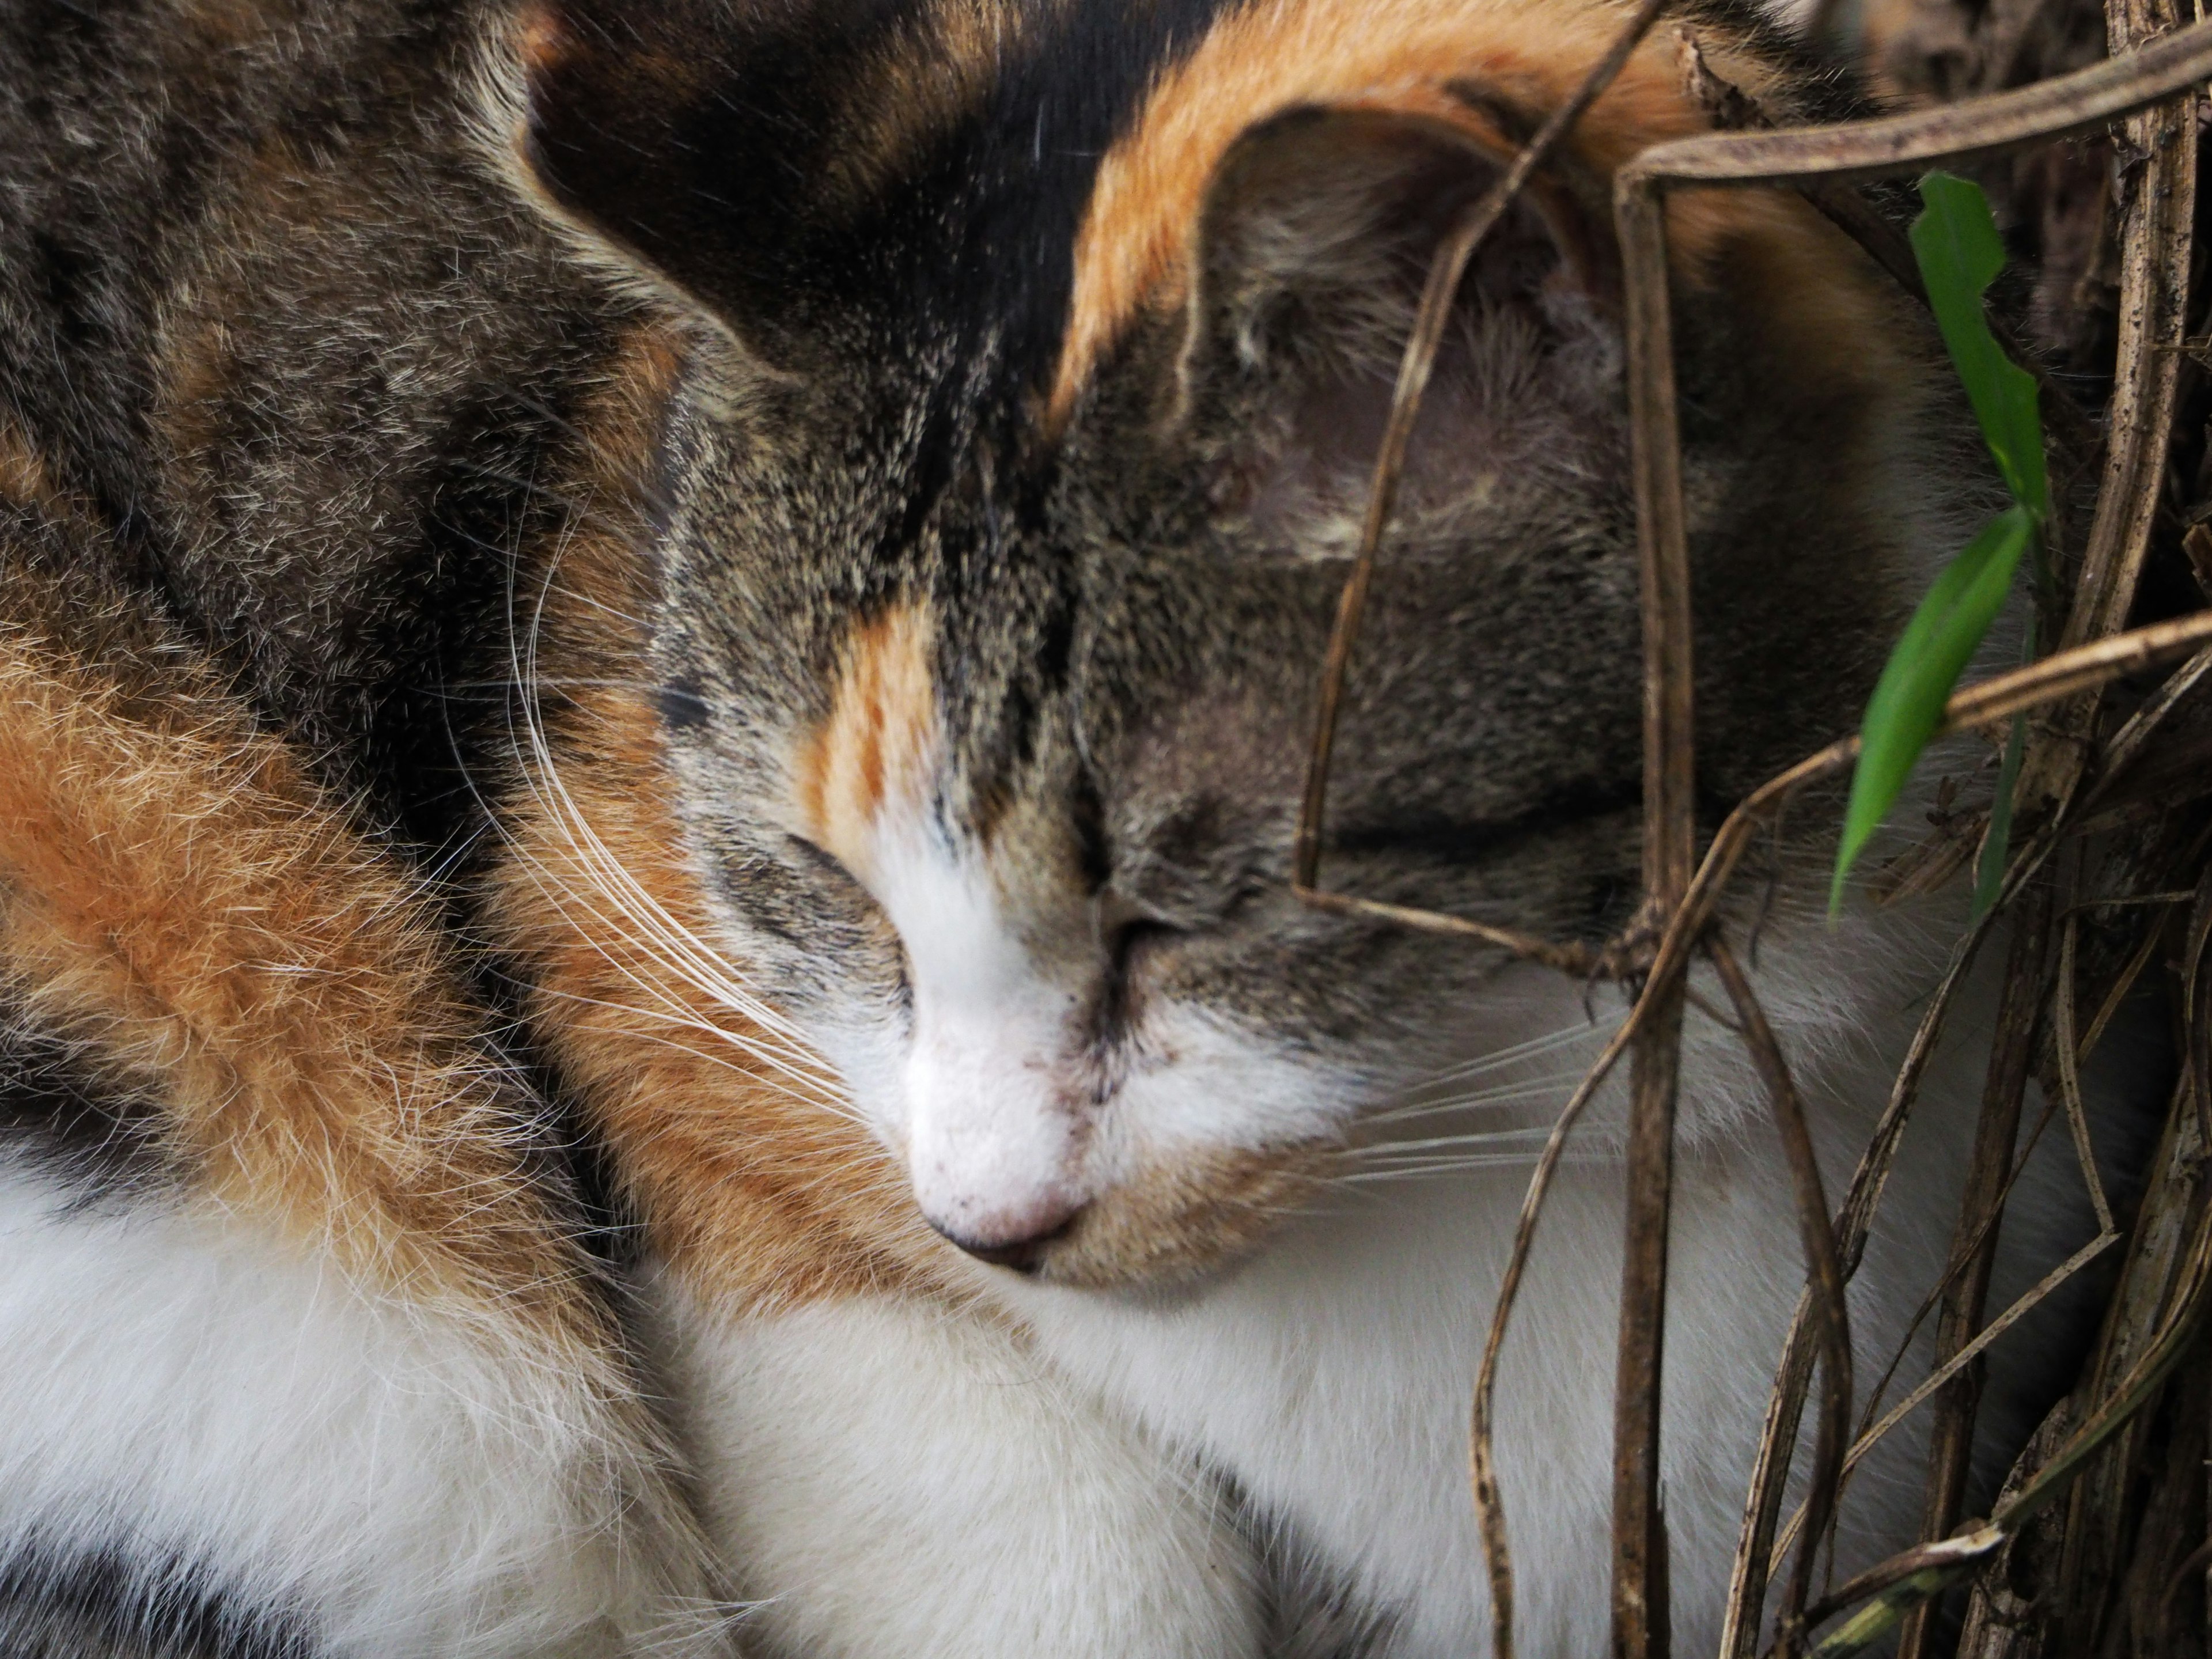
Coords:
793,547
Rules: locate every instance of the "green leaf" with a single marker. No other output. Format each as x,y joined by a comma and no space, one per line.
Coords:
1907,705
1959,253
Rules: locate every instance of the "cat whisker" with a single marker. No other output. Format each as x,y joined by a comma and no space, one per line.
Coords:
1532,1048
1480,1137
1495,1099
787,1057
708,1029
631,914
558,683
1446,1167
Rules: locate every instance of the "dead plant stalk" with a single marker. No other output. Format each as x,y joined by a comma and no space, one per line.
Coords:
1682,892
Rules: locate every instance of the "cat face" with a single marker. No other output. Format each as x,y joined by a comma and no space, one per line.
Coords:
1008,501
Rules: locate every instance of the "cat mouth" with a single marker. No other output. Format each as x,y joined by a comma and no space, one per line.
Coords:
1170,1223
1025,1257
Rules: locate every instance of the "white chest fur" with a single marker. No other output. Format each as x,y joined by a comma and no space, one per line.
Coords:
1331,1376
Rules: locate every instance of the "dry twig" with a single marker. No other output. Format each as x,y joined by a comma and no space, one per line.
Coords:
1984,126
1446,270
1824,1277
1682,892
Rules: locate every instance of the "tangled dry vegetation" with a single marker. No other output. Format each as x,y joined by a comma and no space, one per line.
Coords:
2082,125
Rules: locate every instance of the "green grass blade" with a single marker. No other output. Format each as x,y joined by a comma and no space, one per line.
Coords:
1907,705
1960,253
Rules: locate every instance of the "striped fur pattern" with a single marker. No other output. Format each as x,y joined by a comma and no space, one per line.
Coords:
653,662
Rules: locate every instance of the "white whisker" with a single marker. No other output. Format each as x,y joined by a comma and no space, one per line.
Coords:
1449,1167
1482,1137
617,906
1532,1048
1537,1088
709,1028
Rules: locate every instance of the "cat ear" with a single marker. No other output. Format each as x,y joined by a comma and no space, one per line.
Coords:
624,130
1313,243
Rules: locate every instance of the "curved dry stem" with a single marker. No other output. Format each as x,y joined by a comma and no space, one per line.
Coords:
1489,1503
1445,271
1913,1576
1824,1273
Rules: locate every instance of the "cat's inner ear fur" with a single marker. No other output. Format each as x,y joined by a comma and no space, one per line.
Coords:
1314,243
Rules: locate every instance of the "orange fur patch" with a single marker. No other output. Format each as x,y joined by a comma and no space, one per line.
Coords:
541,39
222,24
939,63
180,901
24,480
1133,249
750,1177
874,752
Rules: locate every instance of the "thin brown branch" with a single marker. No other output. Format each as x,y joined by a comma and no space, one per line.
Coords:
1968,1547
1763,1506
2126,982
1639,1528
2155,245
1879,237
1733,110
1927,1578
2192,1565
2067,1058
1445,272
1489,1501
1876,1424
1854,1222
1987,703
1973,1349
2069,1051
1995,699
2168,1346
2127,745
1620,959
2082,668
2038,114
2093,1548
1824,1275
2156,217
2056,108
1769,1474
2012,1054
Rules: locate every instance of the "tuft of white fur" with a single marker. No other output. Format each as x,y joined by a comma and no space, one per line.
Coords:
1332,1374
182,1388
895,1477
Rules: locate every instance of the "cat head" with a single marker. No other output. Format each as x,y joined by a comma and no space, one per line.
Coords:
1043,353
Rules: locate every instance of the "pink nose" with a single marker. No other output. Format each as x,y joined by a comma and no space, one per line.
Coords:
1017,1244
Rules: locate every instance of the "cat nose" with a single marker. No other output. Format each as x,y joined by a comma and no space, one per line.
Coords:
1023,1251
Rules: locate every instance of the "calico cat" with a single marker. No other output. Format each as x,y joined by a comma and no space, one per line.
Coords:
771,561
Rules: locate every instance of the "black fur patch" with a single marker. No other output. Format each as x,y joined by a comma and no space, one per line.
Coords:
102,1604
98,1139
682,706
1311,1613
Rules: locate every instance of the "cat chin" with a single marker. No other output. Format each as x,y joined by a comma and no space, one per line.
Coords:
1182,1220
